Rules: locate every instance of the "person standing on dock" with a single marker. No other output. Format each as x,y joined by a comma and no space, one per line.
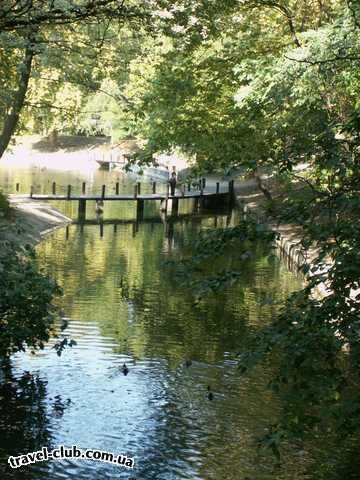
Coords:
172,182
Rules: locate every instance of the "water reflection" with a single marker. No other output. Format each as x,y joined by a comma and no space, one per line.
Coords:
125,306
24,419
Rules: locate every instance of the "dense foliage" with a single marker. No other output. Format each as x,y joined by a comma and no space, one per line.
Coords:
231,84
51,54
26,309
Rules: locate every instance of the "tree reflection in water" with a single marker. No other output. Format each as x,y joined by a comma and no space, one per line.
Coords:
24,423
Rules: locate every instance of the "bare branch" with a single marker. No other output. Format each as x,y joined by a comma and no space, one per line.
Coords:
285,12
328,60
47,105
309,184
119,98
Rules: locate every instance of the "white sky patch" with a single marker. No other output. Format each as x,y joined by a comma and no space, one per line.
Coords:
242,94
204,33
178,29
193,20
163,14
237,18
178,8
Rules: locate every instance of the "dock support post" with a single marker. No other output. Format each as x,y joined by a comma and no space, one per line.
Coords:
83,189
82,210
217,188
231,192
164,201
139,210
154,187
68,192
103,192
117,185
135,191
135,229
203,182
202,198
54,188
175,206
139,188
17,187
231,187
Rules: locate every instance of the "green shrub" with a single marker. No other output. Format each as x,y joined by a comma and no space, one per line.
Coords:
26,294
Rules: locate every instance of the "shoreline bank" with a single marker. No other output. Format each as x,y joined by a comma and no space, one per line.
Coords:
33,220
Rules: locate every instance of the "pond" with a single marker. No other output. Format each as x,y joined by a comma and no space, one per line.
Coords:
124,305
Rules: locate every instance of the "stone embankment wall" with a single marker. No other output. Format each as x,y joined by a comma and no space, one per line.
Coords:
289,238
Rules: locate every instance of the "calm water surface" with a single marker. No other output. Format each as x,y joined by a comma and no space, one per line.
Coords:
124,305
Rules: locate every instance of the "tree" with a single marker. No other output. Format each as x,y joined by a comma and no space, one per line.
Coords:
32,31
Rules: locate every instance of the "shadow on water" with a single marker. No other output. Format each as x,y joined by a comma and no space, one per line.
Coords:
24,421
125,306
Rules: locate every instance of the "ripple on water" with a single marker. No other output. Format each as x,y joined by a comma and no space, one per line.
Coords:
125,308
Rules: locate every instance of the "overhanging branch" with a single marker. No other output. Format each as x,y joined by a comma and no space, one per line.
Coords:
51,13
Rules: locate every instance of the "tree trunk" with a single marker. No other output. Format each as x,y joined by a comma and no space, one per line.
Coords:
12,117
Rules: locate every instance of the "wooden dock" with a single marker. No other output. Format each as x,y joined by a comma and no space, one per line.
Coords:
203,198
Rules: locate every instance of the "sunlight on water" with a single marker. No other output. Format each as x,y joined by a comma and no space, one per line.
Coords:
125,306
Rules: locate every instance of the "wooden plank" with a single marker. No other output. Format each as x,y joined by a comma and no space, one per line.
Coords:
119,197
